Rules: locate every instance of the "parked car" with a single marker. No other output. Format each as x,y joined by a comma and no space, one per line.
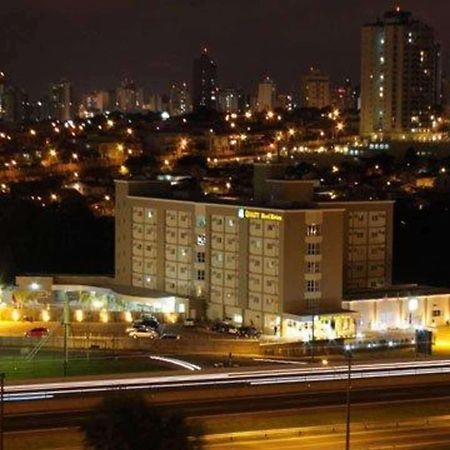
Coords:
249,332
189,322
150,322
38,332
170,336
143,332
224,328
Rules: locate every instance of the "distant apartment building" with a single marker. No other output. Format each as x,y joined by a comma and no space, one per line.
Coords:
400,76
204,83
179,102
16,105
345,96
271,261
315,89
96,102
129,97
286,102
267,95
230,100
155,103
61,101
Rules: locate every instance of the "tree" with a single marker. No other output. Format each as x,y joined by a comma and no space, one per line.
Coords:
130,423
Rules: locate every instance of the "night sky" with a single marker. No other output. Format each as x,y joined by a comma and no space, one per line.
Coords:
97,42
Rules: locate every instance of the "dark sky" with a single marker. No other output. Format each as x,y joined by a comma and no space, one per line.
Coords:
97,42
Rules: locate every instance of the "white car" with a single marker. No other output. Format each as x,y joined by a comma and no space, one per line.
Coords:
143,333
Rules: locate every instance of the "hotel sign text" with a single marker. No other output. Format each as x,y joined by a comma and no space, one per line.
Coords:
249,214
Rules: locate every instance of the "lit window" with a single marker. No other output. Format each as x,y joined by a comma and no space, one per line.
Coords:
313,267
201,221
201,239
313,230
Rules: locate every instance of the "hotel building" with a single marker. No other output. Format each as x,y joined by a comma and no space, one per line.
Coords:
273,261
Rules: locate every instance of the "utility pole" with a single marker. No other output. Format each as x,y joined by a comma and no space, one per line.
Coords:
66,324
313,337
2,407
349,387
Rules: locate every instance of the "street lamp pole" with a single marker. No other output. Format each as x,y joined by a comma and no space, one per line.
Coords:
312,338
349,387
66,324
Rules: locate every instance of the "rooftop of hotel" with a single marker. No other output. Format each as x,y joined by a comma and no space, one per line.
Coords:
271,189
396,291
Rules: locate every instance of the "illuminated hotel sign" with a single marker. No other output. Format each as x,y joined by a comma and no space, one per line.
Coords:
249,214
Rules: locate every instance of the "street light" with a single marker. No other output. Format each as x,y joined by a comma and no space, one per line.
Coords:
348,353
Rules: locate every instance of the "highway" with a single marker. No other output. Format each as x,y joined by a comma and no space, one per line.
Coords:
230,378
436,437
416,434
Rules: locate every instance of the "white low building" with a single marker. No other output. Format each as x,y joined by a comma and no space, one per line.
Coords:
400,307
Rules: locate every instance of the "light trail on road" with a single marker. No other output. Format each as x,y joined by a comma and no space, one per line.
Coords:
231,378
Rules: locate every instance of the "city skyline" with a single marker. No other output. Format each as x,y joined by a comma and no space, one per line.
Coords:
156,55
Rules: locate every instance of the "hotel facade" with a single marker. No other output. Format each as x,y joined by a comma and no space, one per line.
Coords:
276,261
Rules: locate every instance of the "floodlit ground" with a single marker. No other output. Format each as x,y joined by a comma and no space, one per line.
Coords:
442,341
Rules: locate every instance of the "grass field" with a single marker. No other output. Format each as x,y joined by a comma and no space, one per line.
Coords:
47,364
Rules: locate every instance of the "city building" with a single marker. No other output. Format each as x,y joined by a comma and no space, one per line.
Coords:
179,99
267,95
129,97
155,103
96,102
61,101
345,96
16,104
204,83
298,256
400,76
286,102
400,307
315,90
230,100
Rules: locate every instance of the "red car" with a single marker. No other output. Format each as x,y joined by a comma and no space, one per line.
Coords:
38,332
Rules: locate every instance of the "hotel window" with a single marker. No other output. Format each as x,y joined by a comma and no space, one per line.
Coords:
201,239
312,249
312,267
312,303
200,275
312,286
313,230
200,257
201,221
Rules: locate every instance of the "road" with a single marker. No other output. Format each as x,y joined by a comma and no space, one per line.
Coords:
220,379
414,435
409,437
